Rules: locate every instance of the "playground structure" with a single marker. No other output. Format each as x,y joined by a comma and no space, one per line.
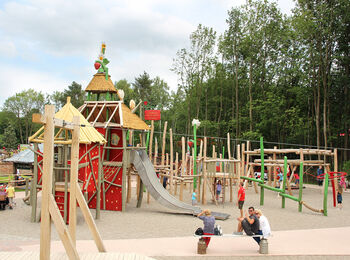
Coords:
109,156
49,207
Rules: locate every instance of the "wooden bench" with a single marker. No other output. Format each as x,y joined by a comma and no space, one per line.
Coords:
201,246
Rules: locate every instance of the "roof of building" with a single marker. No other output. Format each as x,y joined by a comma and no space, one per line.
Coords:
25,156
88,134
112,114
99,84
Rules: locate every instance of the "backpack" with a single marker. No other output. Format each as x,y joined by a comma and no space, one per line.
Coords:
199,232
218,230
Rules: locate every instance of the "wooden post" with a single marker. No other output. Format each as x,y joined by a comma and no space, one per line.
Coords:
184,160
171,162
151,141
129,185
269,173
229,145
204,199
124,167
163,144
74,179
155,152
33,186
239,163
274,168
45,226
176,169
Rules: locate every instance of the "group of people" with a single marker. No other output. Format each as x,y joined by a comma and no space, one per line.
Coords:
254,223
7,195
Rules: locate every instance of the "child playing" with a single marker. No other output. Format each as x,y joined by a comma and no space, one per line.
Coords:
340,197
194,199
218,189
11,195
342,182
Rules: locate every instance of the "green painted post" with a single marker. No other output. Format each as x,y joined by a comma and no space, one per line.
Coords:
195,156
89,96
284,182
262,171
147,141
325,194
301,173
108,97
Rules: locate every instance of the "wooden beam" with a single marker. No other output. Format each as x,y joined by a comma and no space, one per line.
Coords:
110,118
41,119
62,230
74,179
45,225
89,220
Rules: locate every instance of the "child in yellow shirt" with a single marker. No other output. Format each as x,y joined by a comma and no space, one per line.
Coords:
11,195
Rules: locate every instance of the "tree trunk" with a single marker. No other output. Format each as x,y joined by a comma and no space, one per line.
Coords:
250,96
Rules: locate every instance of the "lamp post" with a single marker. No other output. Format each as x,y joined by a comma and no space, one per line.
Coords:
195,124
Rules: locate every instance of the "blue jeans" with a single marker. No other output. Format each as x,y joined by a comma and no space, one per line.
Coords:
257,239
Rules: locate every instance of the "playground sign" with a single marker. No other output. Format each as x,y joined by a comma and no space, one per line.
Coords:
152,114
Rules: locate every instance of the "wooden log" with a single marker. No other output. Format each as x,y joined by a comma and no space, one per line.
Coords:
74,179
229,145
125,166
45,226
204,199
151,141
163,144
89,220
184,157
155,152
171,163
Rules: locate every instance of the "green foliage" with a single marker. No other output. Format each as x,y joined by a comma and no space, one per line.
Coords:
23,105
75,91
9,139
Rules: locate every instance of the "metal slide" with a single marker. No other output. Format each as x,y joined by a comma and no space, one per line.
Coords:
149,178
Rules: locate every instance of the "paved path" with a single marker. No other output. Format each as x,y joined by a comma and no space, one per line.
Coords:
331,242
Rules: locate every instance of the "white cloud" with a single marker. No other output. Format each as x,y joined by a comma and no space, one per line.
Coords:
7,48
14,80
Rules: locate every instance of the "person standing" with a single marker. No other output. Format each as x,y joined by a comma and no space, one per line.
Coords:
218,189
319,173
11,195
209,223
340,197
3,196
194,199
241,198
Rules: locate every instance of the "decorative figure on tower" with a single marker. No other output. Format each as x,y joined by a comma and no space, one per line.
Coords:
101,62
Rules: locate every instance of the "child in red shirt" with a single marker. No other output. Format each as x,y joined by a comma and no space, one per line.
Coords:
241,198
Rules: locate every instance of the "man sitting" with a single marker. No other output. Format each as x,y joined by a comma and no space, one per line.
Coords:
250,224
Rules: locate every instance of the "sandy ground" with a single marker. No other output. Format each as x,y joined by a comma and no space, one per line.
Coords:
154,221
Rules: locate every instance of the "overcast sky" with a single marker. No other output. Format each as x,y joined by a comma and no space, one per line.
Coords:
48,44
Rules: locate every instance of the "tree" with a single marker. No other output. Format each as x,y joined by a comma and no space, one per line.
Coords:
24,104
74,91
124,85
142,86
9,139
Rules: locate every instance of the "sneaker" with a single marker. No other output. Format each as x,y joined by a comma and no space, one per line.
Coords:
238,233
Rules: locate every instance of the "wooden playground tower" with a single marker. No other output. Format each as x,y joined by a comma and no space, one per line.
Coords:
103,149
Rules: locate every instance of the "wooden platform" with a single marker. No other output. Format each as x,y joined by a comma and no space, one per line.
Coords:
28,255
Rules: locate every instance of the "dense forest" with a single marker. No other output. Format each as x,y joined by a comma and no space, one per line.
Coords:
286,78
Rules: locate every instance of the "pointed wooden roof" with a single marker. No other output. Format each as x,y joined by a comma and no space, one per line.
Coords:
111,114
88,134
99,84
